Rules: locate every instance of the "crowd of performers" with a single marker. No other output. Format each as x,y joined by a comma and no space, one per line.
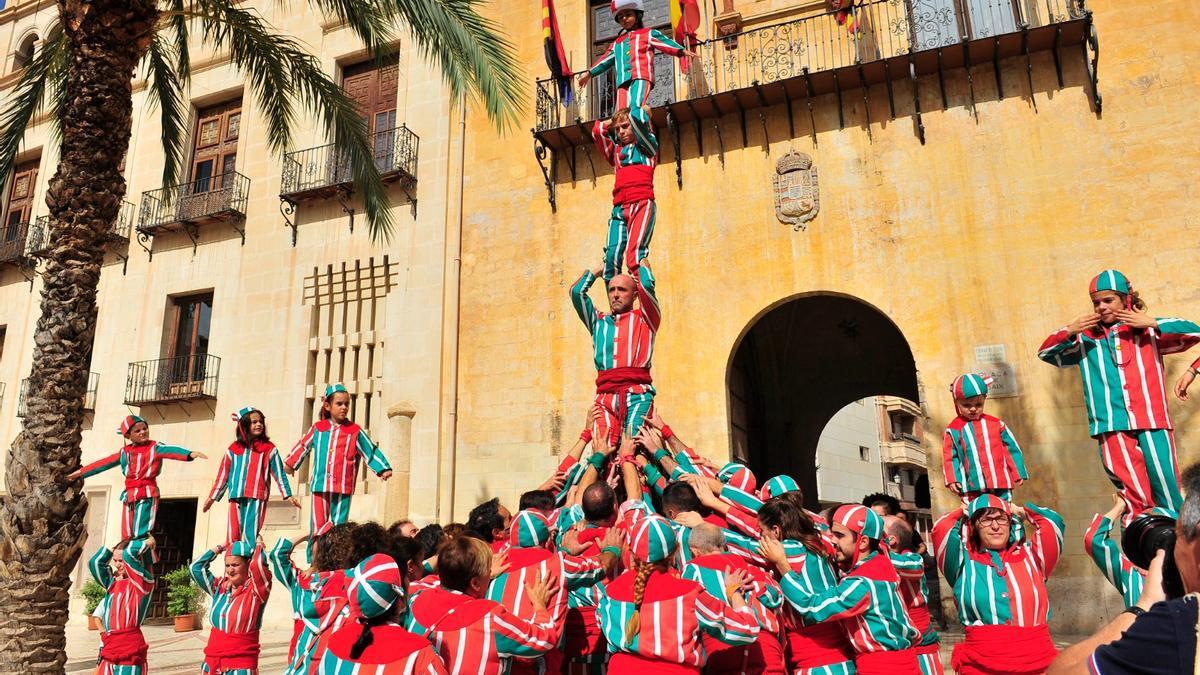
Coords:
640,555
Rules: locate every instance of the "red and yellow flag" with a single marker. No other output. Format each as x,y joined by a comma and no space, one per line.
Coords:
556,57
685,21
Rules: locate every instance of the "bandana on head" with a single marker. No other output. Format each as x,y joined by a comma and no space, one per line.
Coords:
653,539
1111,280
779,485
375,586
987,501
335,388
970,385
530,529
618,6
738,476
860,520
242,412
127,424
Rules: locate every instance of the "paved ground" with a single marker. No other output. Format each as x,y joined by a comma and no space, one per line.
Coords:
174,653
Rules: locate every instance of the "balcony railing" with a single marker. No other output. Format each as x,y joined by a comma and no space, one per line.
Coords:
814,55
181,207
38,241
322,171
179,378
13,240
89,397
903,451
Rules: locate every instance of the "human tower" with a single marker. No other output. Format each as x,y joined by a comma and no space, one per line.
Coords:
643,556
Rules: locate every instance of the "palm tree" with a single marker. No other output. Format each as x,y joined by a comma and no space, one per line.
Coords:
83,74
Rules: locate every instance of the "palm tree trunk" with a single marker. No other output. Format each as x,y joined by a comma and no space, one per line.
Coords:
42,517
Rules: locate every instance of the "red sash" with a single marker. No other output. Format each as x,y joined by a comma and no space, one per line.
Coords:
231,651
621,380
132,484
583,634
633,183
822,644
1016,650
762,657
624,662
919,617
901,662
124,647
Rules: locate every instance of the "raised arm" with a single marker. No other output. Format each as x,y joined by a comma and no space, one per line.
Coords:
647,301
281,563
260,574
604,143
1063,349
643,134
722,621
200,572
948,545
661,43
1105,552
1176,335
98,566
582,302
1046,538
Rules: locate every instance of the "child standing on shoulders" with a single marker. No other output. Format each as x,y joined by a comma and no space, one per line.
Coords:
1118,348
140,461
336,444
979,453
631,147
244,472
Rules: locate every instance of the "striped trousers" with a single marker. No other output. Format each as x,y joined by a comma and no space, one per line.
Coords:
633,95
301,656
137,519
623,412
246,517
1141,465
106,668
630,228
328,509
931,664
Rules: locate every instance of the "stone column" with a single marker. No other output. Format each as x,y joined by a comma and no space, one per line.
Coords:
395,503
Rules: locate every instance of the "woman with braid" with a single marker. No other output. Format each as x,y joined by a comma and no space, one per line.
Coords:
653,619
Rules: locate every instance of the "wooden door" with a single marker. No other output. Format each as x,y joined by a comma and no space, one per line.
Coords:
215,147
18,209
374,87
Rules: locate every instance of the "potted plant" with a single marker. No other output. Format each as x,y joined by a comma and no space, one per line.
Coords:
93,593
183,599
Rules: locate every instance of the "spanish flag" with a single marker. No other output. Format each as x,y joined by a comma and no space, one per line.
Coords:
685,21
556,57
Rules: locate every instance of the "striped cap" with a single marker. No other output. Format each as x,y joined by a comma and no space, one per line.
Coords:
375,586
127,424
779,485
242,412
738,476
530,529
1110,280
860,520
242,549
618,6
970,385
653,539
335,388
987,501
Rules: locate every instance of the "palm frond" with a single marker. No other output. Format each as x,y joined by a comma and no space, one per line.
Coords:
165,91
368,19
45,72
179,29
471,51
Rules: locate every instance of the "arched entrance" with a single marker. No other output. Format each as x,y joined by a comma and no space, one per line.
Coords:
797,364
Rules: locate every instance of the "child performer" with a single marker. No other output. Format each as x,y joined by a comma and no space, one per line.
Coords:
979,453
238,601
126,600
1119,348
336,444
141,462
631,147
632,54
244,472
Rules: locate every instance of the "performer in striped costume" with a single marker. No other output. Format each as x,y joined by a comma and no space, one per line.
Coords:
979,453
238,601
245,471
910,566
1106,553
141,462
654,620
371,641
584,648
336,444
867,600
999,584
312,612
630,145
623,346
126,601
631,56
1119,348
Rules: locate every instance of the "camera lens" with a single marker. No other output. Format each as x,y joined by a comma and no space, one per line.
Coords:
1144,538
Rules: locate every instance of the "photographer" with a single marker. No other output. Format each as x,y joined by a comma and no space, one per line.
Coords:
1156,635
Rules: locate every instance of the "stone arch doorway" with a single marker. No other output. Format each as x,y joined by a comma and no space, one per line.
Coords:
799,362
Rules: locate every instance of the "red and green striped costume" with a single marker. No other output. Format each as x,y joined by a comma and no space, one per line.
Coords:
766,653
480,635
631,56
123,609
1120,572
310,614
235,614
336,449
631,223
246,473
982,455
141,465
393,651
910,566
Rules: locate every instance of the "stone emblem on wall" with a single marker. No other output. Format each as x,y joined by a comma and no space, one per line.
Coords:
797,193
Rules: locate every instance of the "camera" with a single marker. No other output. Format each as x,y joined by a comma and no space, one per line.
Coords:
1148,534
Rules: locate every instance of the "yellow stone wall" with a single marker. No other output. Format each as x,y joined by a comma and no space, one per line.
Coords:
987,234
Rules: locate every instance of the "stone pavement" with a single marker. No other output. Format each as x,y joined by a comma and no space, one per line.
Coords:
174,653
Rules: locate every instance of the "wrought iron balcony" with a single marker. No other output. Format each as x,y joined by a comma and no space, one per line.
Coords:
89,397
13,240
183,207
38,241
123,227
795,61
179,378
324,170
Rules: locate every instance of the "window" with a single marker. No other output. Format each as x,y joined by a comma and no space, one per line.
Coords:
903,426
189,321
214,151
19,208
373,86
864,453
605,30
24,55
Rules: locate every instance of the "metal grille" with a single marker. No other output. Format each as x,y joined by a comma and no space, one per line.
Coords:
221,196
89,397
179,378
322,167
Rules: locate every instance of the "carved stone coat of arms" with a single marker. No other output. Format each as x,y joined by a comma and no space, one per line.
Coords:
797,193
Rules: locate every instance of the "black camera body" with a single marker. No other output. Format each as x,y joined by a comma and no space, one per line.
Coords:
1148,534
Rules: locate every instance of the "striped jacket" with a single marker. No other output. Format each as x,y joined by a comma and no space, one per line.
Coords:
623,340
867,600
479,635
910,567
642,152
245,473
764,599
128,598
305,590
393,651
336,449
674,614
140,465
1000,587
235,610
632,54
1122,369
982,455
571,573
1120,572
743,514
